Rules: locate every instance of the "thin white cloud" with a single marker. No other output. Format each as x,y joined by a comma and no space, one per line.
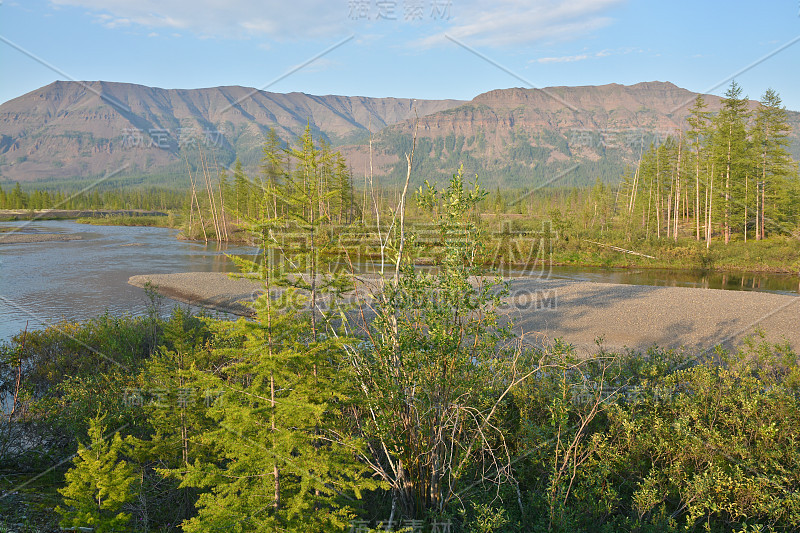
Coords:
516,22
480,23
232,19
562,59
583,56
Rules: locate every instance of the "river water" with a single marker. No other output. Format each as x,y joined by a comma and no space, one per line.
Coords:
41,283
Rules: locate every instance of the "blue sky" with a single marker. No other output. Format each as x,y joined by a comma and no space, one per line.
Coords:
404,48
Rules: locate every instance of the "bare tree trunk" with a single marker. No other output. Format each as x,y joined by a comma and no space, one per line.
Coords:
763,208
410,161
209,189
678,186
649,202
658,195
727,227
669,207
710,208
222,200
745,206
194,201
758,211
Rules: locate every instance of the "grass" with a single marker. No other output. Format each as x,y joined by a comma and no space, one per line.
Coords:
779,254
775,254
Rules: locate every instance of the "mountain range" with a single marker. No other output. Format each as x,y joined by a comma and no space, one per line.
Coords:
73,131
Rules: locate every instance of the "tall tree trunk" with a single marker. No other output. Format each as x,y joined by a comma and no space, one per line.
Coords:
658,195
678,187
745,206
763,208
710,208
727,228
649,203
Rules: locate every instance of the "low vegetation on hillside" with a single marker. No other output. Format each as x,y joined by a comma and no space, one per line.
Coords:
418,412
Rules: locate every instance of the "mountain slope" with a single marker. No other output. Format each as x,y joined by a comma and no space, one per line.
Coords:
558,135
509,137
72,129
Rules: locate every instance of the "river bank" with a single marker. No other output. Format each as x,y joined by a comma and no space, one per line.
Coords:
775,255
7,215
579,312
19,238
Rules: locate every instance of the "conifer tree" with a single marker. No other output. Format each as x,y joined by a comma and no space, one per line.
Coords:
283,387
698,121
774,166
98,484
176,416
272,171
731,149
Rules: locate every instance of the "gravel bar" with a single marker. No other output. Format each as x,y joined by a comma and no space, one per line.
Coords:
17,238
579,312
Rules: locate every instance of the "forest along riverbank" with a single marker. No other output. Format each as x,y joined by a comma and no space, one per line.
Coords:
579,312
66,214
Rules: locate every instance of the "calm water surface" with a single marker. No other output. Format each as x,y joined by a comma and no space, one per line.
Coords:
44,282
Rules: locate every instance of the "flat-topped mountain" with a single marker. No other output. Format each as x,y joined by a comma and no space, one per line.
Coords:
83,129
559,135
512,137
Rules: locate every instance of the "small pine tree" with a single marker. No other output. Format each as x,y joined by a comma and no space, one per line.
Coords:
98,484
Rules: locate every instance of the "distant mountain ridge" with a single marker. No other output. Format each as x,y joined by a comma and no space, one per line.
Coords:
83,129
557,135
513,137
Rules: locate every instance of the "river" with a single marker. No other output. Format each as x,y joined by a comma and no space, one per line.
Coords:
41,283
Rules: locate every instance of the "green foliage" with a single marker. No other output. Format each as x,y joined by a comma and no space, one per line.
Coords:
99,483
655,441
280,463
69,369
674,444
280,460
434,371
104,196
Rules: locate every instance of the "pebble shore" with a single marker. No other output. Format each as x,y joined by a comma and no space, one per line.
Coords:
579,312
